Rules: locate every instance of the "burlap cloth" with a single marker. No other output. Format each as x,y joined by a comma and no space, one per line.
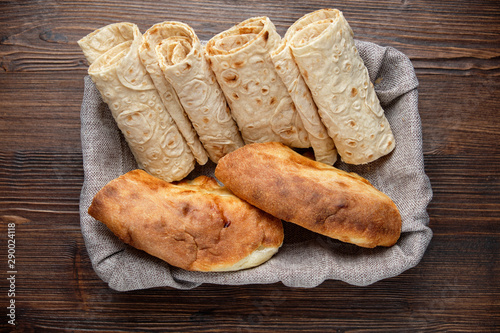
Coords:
306,259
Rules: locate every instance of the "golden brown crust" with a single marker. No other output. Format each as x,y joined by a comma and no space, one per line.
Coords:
313,195
196,225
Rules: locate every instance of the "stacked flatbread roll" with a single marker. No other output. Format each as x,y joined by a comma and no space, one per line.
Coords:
323,47
179,103
173,55
134,101
261,105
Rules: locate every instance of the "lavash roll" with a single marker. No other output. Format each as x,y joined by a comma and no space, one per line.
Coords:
182,61
259,101
287,69
103,39
150,132
147,52
323,47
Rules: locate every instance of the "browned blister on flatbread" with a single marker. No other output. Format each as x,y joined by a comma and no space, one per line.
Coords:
314,195
196,225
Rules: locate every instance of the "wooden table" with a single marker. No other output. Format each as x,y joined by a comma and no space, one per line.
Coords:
455,48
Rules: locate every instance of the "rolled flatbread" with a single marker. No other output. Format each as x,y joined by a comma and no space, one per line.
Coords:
102,40
147,52
314,195
195,225
182,61
322,144
323,47
259,101
150,132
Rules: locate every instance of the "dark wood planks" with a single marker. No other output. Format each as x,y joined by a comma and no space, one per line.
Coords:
43,37
455,48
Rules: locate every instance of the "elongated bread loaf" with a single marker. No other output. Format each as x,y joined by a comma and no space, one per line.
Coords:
313,195
323,47
182,61
128,90
196,225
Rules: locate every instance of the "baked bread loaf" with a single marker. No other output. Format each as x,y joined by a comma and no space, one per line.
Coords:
196,225
311,194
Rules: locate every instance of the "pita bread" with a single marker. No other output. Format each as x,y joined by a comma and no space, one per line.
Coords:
102,40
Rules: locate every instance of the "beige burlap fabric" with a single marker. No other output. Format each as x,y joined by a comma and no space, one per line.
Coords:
306,259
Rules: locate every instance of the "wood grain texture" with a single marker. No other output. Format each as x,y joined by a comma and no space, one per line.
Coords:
455,48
